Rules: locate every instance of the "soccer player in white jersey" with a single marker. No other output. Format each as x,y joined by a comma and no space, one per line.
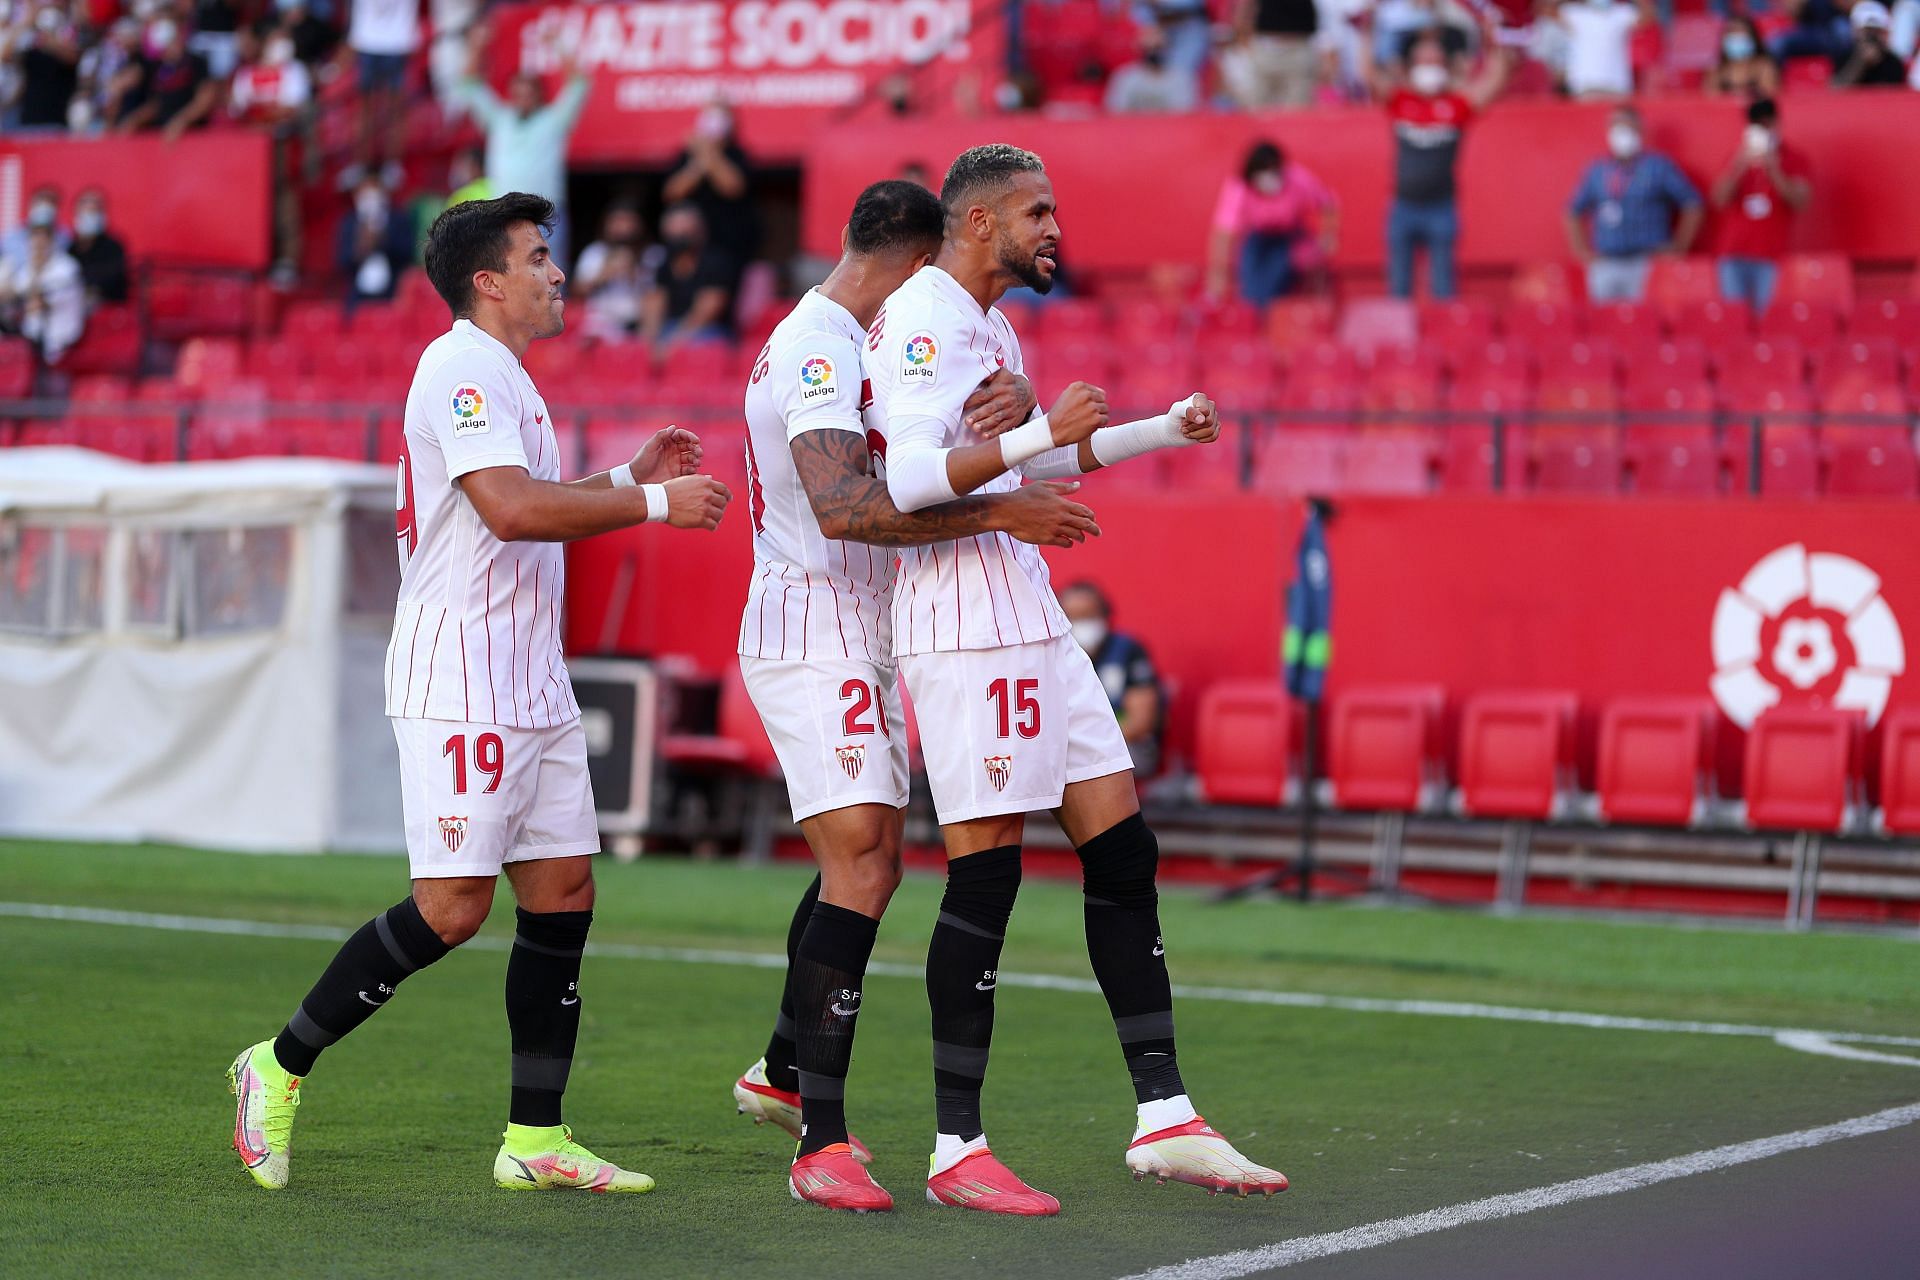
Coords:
816,651
493,763
1014,718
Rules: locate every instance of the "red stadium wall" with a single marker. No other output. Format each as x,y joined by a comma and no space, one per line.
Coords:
205,199
1604,598
1135,191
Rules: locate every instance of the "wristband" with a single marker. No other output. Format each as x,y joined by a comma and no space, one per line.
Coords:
656,501
622,476
1025,442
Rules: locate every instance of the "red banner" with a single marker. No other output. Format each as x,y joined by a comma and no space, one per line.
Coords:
788,67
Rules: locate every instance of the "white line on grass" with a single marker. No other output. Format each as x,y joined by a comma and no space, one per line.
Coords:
1245,1262
1041,981
1814,1042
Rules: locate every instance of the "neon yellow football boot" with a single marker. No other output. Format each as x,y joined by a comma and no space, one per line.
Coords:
548,1159
263,1119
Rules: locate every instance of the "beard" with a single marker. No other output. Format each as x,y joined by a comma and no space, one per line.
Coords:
1024,268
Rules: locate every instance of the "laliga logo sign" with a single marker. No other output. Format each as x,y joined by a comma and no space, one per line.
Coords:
1810,628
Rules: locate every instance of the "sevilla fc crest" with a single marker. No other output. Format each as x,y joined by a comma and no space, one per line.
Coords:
999,771
453,831
852,759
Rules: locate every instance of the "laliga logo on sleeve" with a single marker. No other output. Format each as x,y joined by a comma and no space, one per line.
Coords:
921,357
469,411
817,380
1812,629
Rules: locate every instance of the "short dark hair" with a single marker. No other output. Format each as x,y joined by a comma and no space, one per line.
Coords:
895,215
474,236
980,170
1099,596
1763,111
1262,156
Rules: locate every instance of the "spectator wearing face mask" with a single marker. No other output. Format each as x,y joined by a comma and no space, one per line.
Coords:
1430,115
714,175
1639,204
1763,186
1149,84
169,88
42,297
692,291
102,258
1744,68
43,210
1599,45
1284,218
609,277
271,87
1871,63
527,135
96,101
376,244
1125,669
49,55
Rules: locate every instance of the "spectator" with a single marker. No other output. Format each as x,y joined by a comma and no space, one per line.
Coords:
712,173
42,296
1599,40
1904,37
1761,190
1186,29
216,35
101,84
102,258
1640,204
1871,63
466,180
1338,42
1272,62
1429,117
383,35
376,244
43,210
1125,670
609,277
1285,218
169,88
1745,69
1396,23
692,285
1819,30
49,67
1149,84
527,135
270,86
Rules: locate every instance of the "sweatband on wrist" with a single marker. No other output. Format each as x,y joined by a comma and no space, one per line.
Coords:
622,476
656,501
1025,442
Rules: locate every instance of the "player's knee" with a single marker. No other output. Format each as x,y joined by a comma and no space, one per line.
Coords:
456,919
865,872
1119,866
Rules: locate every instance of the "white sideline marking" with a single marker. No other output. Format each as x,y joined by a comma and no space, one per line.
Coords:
1791,1037
1814,1042
1246,1262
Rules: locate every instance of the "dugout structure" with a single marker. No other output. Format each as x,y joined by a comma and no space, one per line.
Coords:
195,652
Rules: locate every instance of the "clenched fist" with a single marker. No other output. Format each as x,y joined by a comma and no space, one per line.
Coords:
1080,411
696,502
1200,421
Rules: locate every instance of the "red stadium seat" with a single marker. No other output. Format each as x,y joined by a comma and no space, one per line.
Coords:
1623,323
1291,461
1803,75
1576,460
1900,772
1241,743
1811,324
314,321
1879,464
207,366
1799,767
1459,324
18,363
1397,461
1369,324
1211,468
1671,401
1869,361
1823,279
1402,380
1549,283
1144,320
1384,749
1576,397
1230,320
1678,362
278,361
1500,381
1752,373
111,343
1590,361
1857,399
1538,324
1675,460
1515,752
1712,321
1890,318
1466,457
1295,322
1677,284
1071,318
1789,457
1654,755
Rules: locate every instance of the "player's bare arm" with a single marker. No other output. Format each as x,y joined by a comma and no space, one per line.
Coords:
518,508
852,503
1076,415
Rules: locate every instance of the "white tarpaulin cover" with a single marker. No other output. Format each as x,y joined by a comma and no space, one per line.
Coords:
193,652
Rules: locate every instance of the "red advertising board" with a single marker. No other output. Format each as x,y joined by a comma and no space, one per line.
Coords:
788,67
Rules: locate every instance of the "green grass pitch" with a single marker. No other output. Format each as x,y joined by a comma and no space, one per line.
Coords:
114,1042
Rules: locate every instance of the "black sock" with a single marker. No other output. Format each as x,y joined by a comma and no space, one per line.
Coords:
783,1064
362,977
963,968
1129,960
543,1009
826,982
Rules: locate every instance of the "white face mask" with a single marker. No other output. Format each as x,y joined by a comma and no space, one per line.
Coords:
1623,140
89,222
1428,78
370,205
1758,139
1267,182
43,214
279,52
1090,634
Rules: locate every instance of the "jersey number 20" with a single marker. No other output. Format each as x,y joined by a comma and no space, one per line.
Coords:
864,698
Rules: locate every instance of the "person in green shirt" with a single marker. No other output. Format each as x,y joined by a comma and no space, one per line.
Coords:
527,135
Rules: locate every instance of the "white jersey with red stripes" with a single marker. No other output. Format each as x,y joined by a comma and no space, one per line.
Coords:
476,636
812,597
928,350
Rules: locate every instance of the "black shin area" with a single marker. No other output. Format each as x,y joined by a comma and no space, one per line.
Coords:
824,982
361,978
782,1059
543,1009
963,969
1129,960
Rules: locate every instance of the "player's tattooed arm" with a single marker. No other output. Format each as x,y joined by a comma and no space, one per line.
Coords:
852,503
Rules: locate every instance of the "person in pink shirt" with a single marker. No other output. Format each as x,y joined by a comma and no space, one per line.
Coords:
1285,219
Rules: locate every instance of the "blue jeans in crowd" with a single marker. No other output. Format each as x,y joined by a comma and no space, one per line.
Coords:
1437,226
1749,280
1266,266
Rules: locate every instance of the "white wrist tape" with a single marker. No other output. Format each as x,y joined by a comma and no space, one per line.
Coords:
656,500
622,476
1131,439
1025,442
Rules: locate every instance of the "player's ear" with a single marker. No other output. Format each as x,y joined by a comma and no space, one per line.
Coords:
924,260
980,221
846,238
487,285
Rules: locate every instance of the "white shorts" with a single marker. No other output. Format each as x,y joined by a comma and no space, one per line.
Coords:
836,726
478,796
1006,730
